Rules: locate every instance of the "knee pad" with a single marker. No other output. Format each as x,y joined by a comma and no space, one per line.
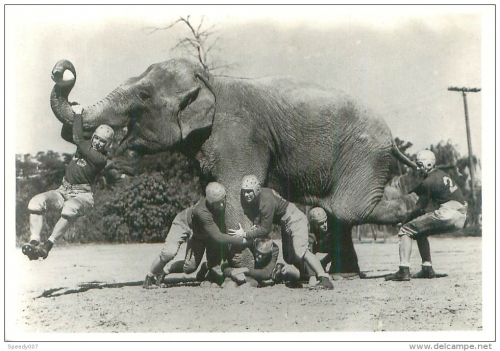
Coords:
404,231
168,252
460,223
189,268
73,209
37,205
69,213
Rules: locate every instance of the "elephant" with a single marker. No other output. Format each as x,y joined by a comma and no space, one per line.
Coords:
314,146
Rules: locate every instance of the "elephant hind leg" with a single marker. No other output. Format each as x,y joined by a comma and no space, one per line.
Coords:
392,211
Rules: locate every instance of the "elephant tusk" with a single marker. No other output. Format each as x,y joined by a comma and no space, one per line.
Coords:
129,131
121,148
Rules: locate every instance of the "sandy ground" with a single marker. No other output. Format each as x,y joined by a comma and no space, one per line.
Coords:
97,289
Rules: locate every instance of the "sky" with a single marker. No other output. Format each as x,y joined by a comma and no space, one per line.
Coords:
399,60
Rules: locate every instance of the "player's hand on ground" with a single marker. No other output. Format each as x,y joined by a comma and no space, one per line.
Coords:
237,271
240,278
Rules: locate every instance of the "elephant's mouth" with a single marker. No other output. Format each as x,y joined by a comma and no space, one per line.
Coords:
132,140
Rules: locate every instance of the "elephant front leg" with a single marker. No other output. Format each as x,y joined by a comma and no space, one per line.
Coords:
392,211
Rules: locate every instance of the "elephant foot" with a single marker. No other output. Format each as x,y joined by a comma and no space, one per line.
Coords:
349,276
393,211
345,272
241,259
347,264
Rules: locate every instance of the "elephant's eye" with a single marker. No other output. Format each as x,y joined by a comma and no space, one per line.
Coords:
144,96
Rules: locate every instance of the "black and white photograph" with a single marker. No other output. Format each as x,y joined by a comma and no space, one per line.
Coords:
242,173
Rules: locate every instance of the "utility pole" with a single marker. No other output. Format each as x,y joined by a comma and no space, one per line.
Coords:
469,144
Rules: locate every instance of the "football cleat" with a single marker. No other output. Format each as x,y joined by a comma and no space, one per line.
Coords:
325,282
42,251
402,275
30,251
149,281
426,273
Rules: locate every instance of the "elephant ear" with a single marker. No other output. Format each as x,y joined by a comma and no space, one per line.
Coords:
197,108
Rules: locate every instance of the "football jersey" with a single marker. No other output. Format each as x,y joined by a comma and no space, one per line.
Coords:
85,165
268,209
439,187
209,226
87,162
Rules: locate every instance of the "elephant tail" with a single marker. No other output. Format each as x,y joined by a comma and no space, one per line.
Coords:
402,157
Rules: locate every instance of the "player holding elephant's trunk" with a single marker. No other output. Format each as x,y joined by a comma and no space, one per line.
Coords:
268,127
74,197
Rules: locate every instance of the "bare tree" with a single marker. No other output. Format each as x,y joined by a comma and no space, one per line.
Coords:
199,43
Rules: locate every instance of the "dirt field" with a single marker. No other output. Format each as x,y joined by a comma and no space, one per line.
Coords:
97,289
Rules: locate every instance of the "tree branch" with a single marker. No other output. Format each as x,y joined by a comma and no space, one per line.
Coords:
155,29
197,41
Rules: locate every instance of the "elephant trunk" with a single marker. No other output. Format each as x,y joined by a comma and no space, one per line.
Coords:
59,95
104,112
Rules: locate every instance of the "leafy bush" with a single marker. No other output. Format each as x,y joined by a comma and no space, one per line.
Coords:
144,208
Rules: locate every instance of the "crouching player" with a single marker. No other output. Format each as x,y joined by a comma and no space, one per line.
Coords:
419,224
208,236
181,231
264,206
320,242
265,253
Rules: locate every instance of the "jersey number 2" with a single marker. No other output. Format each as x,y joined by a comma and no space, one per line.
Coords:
449,183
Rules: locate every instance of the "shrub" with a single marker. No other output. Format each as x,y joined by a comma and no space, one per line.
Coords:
143,209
